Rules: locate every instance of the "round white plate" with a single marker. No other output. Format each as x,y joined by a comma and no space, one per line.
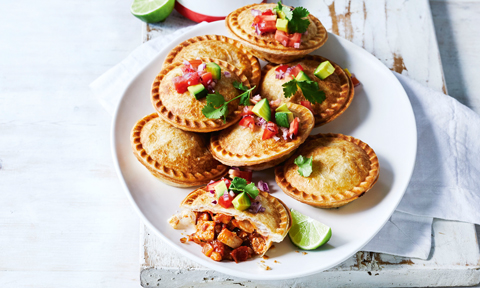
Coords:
380,115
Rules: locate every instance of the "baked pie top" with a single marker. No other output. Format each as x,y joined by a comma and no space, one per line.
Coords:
218,47
176,154
273,223
239,22
343,169
338,88
241,146
184,111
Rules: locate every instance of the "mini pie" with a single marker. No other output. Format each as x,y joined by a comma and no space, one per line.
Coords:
174,156
183,111
267,227
344,168
239,25
338,88
218,47
239,146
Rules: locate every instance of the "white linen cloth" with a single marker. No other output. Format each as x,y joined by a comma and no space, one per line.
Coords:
446,180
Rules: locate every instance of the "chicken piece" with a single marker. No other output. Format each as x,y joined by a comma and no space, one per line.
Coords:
229,238
216,256
174,221
258,244
206,231
245,225
207,249
222,218
242,234
240,254
203,217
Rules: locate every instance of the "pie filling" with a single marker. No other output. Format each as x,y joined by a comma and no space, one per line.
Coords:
223,237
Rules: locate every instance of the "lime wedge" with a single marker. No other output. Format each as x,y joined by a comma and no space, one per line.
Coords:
307,233
152,11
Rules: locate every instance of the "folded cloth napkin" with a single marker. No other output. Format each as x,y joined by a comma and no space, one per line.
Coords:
445,183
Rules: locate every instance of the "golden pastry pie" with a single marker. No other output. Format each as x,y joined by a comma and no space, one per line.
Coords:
343,169
183,110
338,88
174,156
242,147
240,22
218,47
231,234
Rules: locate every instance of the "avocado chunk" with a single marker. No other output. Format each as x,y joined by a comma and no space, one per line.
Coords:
324,70
282,25
282,108
198,91
213,68
301,76
282,119
220,188
281,14
262,109
241,202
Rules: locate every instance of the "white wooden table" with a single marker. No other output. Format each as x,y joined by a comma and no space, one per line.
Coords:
402,36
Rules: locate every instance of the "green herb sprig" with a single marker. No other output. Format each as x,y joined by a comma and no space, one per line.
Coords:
305,165
309,89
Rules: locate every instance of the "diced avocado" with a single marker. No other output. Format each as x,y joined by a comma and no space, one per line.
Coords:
301,76
281,14
262,109
324,70
282,25
241,202
220,188
216,71
198,91
282,119
282,108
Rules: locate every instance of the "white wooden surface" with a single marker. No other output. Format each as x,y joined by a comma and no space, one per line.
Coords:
401,34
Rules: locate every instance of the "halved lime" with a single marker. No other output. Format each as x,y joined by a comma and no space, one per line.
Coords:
152,11
307,233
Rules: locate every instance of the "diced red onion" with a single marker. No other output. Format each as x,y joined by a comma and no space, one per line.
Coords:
260,121
256,207
255,12
227,74
279,74
231,193
296,45
211,181
212,191
276,138
263,185
257,30
202,67
185,62
284,132
214,202
289,70
235,168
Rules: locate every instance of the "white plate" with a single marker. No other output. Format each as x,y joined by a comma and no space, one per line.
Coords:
380,115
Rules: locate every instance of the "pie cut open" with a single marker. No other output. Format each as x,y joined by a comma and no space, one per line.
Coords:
344,168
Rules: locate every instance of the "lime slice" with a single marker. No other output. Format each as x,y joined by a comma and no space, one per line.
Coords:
152,11
307,233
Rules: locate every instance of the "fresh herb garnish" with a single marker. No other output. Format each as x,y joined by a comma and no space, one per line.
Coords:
304,165
217,107
240,185
297,19
309,89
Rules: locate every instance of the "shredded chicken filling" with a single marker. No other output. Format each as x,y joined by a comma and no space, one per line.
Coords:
223,237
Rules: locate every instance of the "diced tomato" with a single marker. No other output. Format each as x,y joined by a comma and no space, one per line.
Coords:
293,131
195,63
288,40
294,71
267,26
186,69
206,78
247,175
192,78
264,18
270,130
307,104
211,186
180,84
282,37
268,12
247,110
295,39
282,68
355,81
248,121
225,200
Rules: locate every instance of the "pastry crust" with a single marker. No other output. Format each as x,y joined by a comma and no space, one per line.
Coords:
344,168
338,88
273,223
174,156
218,47
239,25
239,146
183,111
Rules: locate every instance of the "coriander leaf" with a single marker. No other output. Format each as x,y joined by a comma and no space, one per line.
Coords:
238,185
298,22
240,86
252,190
224,111
211,112
215,107
311,91
245,97
278,7
304,165
216,100
290,88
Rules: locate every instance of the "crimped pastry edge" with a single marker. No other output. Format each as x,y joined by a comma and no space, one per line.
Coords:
168,175
230,159
348,196
255,65
331,114
200,126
